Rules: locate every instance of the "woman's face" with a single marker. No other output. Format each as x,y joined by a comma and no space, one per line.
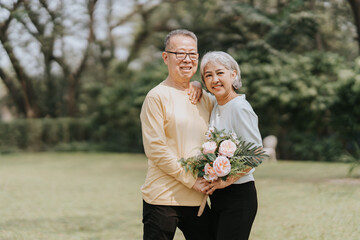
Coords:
218,79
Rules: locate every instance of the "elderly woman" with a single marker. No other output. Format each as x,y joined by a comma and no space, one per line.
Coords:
234,203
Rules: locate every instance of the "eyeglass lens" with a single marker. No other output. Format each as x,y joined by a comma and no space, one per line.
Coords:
192,56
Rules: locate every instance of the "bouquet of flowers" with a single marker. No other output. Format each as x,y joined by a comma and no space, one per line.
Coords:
223,155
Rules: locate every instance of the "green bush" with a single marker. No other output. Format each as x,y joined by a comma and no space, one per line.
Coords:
118,115
299,146
309,101
42,134
345,107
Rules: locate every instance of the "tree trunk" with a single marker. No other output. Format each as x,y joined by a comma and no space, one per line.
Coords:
28,96
74,78
13,91
318,37
355,6
26,99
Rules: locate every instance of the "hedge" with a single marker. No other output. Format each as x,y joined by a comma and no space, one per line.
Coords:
43,134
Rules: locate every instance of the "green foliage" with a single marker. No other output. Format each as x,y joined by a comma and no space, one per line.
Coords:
42,134
296,98
294,33
346,104
352,157
310,146
119,105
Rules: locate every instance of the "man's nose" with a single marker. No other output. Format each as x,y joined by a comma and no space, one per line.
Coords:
187,58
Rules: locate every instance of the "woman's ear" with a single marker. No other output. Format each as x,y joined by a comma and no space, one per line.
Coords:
233,74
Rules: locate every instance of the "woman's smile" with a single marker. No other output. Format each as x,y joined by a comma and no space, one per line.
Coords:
217,87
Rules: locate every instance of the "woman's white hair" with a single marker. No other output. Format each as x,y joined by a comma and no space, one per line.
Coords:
224,59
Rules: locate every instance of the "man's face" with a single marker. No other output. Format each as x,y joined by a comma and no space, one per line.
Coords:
181,69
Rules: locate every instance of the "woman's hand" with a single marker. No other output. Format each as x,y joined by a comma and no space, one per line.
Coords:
219,184
195,92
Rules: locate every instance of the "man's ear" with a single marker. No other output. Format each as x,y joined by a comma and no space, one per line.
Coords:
165,57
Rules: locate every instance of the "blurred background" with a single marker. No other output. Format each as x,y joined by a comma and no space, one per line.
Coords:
74,73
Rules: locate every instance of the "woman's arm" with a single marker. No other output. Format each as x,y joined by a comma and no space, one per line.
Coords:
245,124
219,184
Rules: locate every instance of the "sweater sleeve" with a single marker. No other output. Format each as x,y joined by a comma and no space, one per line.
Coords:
246,125
155,144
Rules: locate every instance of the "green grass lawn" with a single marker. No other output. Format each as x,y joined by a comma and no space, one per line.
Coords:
93,196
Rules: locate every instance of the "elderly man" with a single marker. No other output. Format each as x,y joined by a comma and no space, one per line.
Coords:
173,128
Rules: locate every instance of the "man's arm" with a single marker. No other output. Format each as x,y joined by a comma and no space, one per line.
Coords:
155,144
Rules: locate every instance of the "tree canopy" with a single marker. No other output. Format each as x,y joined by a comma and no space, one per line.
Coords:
97,59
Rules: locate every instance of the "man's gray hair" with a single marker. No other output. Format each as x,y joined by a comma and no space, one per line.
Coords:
224,59
182,32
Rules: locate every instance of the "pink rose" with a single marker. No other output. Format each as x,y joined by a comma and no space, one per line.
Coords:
209,147
210,173
227,148
222,166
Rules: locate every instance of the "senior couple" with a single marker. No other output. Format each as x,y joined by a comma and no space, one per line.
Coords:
174,126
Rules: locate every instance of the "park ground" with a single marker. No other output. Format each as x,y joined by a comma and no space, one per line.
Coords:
96,196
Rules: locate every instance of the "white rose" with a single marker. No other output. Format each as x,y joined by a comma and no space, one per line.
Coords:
222,166
209,147
210,173
227,148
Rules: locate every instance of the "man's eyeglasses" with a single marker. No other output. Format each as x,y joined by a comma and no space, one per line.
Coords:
182,55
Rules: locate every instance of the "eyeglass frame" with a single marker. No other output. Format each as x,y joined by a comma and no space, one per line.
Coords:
186,54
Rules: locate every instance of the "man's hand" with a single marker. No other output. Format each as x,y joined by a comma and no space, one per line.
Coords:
201,185
195,92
